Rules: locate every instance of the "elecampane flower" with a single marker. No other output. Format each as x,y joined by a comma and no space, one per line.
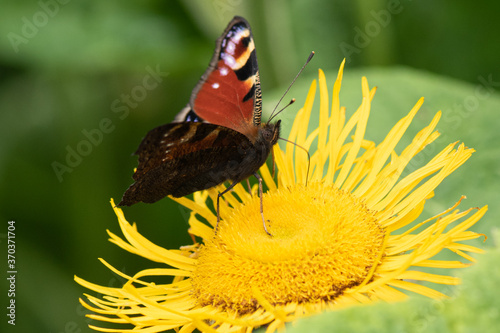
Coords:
342,237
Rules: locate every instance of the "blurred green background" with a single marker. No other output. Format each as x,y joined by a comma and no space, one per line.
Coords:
72,69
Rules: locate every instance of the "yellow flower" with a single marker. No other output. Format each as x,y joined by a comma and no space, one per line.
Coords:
346,236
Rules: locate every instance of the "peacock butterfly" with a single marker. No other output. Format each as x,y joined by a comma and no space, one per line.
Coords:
217,137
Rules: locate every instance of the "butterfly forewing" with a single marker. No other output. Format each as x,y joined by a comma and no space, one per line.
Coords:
228,94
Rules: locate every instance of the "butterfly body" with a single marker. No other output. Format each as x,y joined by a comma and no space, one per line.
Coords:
218,136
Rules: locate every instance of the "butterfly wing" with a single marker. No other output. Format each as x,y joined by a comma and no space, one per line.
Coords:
228,94
218,136
181,158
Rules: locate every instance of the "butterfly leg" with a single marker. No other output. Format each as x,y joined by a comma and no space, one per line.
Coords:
261,205
219,195
249,187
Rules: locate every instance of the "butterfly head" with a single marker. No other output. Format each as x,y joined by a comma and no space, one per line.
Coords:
270,132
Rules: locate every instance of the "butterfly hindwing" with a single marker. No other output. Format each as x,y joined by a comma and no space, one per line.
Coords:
181,158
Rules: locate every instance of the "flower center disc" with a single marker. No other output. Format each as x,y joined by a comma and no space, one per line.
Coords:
324,241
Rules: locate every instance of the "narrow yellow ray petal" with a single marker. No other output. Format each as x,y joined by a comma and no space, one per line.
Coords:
358,135
303,122
323,121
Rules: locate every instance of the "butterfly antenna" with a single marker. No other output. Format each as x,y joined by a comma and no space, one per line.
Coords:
311,55
283,108
307,152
